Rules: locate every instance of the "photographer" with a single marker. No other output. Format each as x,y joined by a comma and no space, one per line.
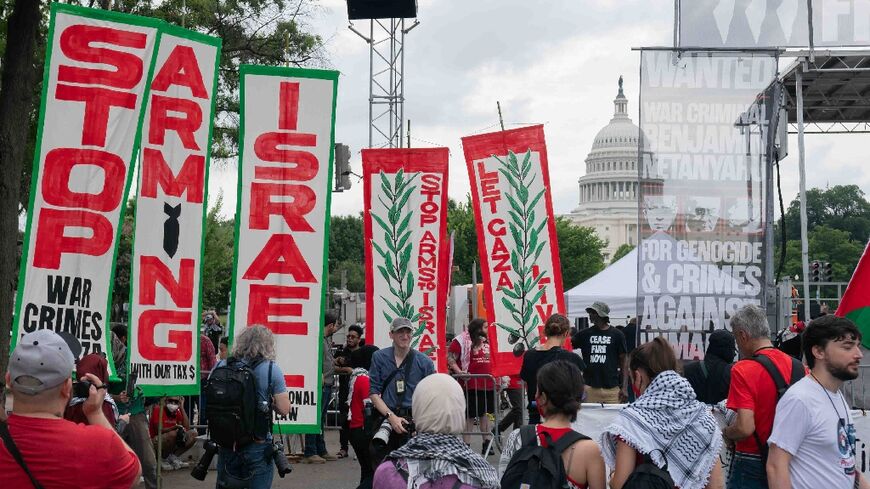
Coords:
251,464
394,375
98,366
54,452
177,437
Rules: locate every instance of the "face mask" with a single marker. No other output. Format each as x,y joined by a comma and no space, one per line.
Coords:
172,408
635,390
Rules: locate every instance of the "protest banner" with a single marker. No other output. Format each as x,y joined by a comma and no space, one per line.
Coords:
405,223
702,193
170,214
519,253
287,135
771,24
97,67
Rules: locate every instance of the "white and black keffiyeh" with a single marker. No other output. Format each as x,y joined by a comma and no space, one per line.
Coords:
353,375
668,417
432,456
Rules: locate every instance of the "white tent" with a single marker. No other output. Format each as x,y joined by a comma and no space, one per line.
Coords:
616,286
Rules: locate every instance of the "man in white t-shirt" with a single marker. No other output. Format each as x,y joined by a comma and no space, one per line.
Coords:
812,445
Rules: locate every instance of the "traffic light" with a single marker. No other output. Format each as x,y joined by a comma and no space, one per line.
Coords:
342,167
815,271
826,272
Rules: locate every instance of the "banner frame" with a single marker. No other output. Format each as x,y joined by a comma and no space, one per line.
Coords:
176,31
96,14
281,71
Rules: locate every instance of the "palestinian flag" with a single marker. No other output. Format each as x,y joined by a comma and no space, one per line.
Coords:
855,303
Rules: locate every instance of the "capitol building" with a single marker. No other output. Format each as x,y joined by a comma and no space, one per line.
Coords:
609,189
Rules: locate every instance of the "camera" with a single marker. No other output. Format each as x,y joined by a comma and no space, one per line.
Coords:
179,437
281,464
200,470
82,389
382,436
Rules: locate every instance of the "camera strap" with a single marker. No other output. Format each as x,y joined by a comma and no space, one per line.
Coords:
13,450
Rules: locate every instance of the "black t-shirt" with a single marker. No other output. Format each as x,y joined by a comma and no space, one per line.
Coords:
601,350
533,360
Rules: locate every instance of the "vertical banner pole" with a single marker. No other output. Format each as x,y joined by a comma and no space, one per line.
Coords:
802,168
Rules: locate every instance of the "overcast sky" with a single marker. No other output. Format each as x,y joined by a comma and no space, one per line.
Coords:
549,62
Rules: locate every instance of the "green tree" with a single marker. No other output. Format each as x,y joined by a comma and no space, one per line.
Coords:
460,222
217,262
623,250
579,251
826,244
347,252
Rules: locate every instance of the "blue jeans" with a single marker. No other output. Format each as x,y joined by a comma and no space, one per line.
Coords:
315,444
252,461
747,472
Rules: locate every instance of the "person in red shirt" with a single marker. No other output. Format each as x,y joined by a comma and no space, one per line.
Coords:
175,424
479,390
358,399
98,365
60,454
752,395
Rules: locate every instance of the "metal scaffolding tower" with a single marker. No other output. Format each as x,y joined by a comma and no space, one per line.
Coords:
386,42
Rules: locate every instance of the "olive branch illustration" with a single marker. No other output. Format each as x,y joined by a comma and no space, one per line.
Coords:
525,232
396,250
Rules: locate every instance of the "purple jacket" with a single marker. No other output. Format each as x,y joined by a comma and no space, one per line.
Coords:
387,476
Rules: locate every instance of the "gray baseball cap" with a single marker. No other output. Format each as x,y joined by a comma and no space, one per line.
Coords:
41,360
600,308
400,323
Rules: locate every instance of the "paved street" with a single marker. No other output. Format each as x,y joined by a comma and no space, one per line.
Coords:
341,474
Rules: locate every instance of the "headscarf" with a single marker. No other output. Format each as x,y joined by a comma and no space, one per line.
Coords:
671,426
438,407
357,372
97,365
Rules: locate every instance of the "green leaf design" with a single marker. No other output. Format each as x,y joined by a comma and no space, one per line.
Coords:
378,249
509,305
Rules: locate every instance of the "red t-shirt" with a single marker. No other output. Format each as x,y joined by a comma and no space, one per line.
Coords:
62,454
479,363
515,382
169,420
357,402
752,388
555,435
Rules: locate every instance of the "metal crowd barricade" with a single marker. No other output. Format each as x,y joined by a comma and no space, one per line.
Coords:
857,392
489,399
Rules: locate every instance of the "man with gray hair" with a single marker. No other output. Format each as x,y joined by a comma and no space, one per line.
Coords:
755,382
40,448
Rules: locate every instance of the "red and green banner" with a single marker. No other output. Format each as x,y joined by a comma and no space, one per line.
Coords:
171,208
407,257
97,70
519,253
855,303
287,138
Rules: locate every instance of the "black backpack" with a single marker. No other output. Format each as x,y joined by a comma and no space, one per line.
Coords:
231,404
797,373
534,466
648,475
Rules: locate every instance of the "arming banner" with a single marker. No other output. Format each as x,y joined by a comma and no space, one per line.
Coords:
170,214
405,221
519,254
282,223
702,192
97,67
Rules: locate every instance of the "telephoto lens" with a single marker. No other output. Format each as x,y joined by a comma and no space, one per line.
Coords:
200,470
179,437
281,463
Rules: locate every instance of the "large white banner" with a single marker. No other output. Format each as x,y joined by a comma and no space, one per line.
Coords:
282,223
97,68
773,23
170,212
702,193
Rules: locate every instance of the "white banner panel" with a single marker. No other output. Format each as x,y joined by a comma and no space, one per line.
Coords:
282,223
97,69
170,212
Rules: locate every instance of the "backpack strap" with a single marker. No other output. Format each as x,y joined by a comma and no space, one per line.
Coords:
704,369
528,435
13,450
797,373
567,440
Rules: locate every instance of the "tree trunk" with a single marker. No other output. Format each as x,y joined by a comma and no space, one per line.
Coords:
16,103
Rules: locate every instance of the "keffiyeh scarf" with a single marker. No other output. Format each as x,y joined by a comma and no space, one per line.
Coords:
465,345
432,456
353,375
671,426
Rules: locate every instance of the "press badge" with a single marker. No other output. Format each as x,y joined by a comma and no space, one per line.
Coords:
400,386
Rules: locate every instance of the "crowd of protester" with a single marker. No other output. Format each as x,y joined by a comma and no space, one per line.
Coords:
787,423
